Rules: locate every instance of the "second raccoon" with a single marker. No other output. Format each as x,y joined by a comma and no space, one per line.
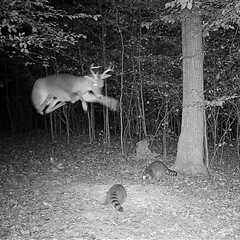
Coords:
116,196
156,170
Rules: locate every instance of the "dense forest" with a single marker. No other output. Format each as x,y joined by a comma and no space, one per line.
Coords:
144,43
170,71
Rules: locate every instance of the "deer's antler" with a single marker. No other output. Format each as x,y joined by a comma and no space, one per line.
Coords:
95,75
104,75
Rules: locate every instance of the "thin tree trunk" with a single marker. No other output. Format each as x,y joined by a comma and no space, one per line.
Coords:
190,146
89,127
105,110
165,128
122,82
143,118
93,123
66,122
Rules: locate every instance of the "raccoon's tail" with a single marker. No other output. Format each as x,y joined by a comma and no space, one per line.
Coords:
115,202
171,172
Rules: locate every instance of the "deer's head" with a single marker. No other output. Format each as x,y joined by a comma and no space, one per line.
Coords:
98,79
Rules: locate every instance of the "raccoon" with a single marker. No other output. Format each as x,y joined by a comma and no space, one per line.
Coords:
156,170
116,196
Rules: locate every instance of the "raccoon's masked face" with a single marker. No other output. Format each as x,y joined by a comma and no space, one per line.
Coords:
146,177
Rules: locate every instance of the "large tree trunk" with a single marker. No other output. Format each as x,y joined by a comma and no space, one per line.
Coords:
190,145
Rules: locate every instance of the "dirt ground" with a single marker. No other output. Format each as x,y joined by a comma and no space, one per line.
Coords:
55,191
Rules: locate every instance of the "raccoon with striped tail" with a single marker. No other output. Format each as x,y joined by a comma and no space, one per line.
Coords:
155,171
116,196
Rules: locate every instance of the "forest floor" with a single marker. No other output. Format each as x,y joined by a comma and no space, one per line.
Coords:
55,191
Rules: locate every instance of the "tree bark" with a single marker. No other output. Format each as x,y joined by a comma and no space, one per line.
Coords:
190,145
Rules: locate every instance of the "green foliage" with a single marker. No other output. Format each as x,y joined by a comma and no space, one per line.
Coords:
69,38
37,30
215,14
